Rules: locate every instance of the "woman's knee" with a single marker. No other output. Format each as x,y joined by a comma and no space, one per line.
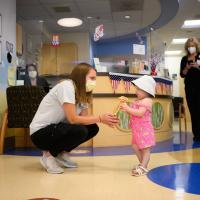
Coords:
93,129
96,128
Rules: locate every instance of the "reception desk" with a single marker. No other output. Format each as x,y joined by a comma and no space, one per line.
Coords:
105,99
110,86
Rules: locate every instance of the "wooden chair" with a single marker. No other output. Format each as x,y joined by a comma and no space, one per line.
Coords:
180,113
22,102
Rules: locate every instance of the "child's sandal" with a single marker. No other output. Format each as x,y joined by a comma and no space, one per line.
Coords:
134,168
139,171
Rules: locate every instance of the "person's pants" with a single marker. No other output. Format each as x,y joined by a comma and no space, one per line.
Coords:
193,101
56,138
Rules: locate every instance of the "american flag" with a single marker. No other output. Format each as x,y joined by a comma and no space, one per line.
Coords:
115,81
127,83
55,41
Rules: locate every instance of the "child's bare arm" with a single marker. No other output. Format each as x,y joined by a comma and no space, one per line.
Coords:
132,111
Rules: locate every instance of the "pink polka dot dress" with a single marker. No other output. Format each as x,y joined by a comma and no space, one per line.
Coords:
142,129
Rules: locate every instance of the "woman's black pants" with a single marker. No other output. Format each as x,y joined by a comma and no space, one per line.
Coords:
193,101
56,138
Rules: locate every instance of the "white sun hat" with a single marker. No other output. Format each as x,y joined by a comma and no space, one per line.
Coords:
146,83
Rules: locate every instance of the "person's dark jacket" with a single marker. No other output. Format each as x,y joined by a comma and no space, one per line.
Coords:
192,78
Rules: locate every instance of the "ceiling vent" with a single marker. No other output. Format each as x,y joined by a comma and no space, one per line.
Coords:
126,5
61,9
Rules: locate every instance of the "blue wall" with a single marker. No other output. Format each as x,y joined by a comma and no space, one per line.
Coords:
115,47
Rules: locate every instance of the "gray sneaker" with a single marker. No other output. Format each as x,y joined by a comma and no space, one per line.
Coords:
50,164
65,160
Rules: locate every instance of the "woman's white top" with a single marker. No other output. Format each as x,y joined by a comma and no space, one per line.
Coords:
50,110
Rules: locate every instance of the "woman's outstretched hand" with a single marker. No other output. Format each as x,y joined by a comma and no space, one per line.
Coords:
109,119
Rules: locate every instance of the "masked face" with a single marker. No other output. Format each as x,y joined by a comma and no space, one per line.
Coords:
192,50
90,85
32,74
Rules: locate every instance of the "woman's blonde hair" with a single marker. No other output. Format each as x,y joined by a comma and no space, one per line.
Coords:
78,76
193,40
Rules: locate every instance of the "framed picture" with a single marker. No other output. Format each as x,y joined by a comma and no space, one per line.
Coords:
0,25
0,52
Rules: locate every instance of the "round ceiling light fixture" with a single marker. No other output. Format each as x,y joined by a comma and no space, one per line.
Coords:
127,16
69,22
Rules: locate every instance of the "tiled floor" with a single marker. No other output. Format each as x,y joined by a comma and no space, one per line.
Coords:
104,173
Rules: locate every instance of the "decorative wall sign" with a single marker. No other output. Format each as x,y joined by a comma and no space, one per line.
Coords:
139,49
157,118
124,119
9,47
99,32
157,115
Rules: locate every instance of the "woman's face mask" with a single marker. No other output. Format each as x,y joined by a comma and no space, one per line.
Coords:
90,85
192,50
32,74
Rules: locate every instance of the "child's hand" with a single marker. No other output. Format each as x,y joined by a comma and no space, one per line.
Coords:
124,107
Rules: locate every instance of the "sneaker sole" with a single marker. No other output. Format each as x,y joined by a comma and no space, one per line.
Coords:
65,164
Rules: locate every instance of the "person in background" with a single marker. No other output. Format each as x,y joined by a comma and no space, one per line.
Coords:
143,137
62,121
32,78
190,71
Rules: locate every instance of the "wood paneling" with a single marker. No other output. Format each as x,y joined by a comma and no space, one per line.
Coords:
58,60
48,60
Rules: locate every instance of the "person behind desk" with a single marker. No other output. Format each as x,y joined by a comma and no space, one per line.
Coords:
33,79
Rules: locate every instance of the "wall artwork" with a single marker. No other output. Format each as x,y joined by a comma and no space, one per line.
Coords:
0,25
157,118
157,115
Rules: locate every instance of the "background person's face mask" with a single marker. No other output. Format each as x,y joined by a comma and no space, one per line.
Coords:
192,50
90,85
32,74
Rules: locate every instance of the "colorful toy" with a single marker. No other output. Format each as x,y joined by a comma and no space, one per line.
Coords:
122,99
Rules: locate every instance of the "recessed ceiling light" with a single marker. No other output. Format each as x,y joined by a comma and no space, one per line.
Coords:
179,40
191,24
177,52
89,17
41,21
69,22
127,16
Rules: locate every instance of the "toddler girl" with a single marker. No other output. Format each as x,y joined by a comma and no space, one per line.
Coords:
143,137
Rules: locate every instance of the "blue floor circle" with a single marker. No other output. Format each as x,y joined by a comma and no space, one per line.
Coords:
183,177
